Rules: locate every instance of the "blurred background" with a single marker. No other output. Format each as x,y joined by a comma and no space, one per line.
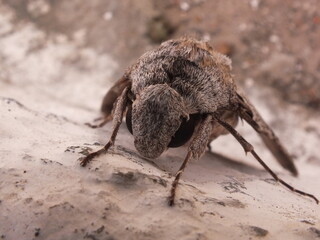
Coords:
273,43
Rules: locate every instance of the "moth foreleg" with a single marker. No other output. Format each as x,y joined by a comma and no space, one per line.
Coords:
196,149
117,120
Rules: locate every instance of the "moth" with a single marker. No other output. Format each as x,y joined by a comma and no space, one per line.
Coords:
183,93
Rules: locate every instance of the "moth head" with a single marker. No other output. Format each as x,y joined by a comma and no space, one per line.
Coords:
156,115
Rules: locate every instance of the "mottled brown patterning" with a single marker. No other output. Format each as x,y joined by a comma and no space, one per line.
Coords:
183,93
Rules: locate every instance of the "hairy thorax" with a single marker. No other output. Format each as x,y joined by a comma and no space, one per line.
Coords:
200,75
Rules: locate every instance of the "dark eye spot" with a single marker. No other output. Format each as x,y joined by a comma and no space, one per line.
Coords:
184,132
129,118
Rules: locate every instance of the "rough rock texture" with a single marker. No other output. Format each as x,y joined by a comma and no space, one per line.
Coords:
58,58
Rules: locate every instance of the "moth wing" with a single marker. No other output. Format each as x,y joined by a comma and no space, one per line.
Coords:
249,113
112,95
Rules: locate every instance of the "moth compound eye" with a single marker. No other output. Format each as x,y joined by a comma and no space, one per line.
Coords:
129,118
185,131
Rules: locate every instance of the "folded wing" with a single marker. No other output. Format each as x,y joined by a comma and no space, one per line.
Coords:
249,113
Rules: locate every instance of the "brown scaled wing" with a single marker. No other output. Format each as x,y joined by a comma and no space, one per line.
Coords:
111,96
249,113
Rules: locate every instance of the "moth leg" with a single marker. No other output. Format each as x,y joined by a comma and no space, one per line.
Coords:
249,148
250,114
109,101
117,120
196,149
104,120
111,96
